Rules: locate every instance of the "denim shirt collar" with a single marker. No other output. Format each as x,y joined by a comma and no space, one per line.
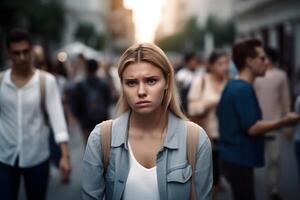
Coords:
120,131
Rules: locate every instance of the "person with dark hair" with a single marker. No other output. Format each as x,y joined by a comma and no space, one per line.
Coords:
30,103
241,128
91,99
92,66
18,35
185,77
274,98
203,98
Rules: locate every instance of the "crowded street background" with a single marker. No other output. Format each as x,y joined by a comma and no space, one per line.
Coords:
77,45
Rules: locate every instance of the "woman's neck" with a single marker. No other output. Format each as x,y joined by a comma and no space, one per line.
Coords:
156,120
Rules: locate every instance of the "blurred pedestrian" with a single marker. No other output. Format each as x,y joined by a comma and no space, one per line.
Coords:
241,128
148,155
109,74
186,75
203,99
273,95
24,129
91,99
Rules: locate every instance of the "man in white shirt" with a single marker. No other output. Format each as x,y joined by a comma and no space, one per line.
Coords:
24,131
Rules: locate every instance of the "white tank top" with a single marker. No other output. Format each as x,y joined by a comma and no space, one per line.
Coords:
141,182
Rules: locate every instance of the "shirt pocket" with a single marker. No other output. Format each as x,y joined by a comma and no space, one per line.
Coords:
178,182
109,183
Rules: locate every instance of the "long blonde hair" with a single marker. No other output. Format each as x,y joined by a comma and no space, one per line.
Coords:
150,53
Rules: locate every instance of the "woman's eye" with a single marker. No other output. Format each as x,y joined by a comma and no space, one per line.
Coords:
131,83
151,81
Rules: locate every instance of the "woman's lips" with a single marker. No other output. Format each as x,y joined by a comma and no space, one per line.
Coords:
143,103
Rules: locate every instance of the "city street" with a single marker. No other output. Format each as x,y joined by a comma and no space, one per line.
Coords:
228,65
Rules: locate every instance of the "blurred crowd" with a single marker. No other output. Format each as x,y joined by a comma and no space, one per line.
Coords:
89,90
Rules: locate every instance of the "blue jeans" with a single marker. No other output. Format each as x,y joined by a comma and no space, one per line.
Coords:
35,179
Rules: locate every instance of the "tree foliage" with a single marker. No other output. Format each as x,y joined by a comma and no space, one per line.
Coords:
191,37
44,19
87,34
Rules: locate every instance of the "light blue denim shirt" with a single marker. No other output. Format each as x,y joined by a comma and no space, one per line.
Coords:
173,171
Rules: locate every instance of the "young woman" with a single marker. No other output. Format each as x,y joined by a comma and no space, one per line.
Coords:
203,99
148,156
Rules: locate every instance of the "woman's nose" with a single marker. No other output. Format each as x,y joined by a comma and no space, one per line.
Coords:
141,90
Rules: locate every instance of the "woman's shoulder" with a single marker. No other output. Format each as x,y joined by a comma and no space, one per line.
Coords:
202,136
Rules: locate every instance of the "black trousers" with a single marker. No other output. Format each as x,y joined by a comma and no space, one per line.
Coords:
216,163
35,179
241,180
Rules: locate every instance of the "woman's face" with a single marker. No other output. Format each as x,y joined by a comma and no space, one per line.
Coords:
144,86
220,67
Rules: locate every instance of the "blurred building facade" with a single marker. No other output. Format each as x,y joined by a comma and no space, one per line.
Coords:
177,12
110,18
78,12
120,24
277,23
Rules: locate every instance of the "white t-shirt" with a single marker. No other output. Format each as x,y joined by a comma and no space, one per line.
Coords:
141,182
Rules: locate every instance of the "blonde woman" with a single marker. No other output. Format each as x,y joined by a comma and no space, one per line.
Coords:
148,140
203,99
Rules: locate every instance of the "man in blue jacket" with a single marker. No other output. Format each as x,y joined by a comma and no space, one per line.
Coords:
241,127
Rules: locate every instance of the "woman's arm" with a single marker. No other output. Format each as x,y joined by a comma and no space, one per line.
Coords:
263,126
203,170
93,184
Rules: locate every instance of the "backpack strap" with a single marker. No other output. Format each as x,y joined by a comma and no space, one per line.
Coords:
105,127
192,147
43,96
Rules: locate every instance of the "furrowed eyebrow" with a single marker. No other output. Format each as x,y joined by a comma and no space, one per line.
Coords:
147,77
129,79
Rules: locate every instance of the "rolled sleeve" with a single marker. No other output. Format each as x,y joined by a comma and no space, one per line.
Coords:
61,137
247,107
55,110
203,172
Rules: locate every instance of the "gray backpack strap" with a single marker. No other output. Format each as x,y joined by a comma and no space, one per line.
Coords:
105,142
192,147
43,96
